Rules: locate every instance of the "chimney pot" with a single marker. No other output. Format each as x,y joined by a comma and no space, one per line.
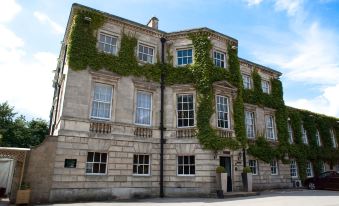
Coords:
153,22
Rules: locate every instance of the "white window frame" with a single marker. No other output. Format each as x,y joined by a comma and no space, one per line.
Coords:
290,132
177,56
247,81
148,109
188,110
309,169
94,162
274,167
317,136
322,166
226,101
265,86
101,102
270,128
141,164
253,164
148,47
304,134
187,165
111,45
252,126
293,168
333,138
215,59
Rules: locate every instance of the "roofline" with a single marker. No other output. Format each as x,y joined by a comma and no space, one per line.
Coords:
260,66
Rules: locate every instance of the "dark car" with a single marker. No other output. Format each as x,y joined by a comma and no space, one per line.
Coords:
326,180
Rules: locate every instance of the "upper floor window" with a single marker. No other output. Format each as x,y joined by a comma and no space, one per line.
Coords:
185,110
219,59
334,142
293,168
247,81
102,101
253,164
141,164
309,169
222,112
290,132
317,136
304,135
107,43
184,57
146,53
250,124
143,108
270,134
186,165
265,86
96,163
274,167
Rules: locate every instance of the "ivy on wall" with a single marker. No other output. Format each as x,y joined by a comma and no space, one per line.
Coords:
83,54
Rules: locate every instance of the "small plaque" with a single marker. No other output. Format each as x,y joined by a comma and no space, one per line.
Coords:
70,163
226,152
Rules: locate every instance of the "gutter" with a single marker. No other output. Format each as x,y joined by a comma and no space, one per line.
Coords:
162,128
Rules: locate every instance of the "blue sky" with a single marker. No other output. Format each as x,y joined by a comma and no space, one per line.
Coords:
300,38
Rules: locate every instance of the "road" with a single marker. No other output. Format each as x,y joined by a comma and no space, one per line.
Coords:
272,198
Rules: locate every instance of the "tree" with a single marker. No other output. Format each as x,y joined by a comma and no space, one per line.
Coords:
17,131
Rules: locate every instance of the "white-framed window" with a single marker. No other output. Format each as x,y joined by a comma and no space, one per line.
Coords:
141,164
96,163
219,59
322,167
274,167
107,43
334,142
265,86
253,164
317,137
309,169
185,110
250,124
270,134
304,134
223,111
290,132
102,101
143,114
247,81
293,168
146,53
186,165
184,57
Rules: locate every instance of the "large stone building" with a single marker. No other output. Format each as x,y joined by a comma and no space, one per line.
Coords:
108,125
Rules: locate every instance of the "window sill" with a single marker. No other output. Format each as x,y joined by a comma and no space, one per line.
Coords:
185,175
141,175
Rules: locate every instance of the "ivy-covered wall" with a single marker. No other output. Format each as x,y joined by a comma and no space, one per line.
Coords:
83,54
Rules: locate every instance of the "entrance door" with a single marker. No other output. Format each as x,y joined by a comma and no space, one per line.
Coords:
226,163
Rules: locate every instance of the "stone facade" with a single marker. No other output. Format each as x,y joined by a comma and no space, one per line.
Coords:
77,134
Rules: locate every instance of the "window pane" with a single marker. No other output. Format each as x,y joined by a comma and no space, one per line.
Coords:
180,160
186,170
103,157
102,168
146,159
180,170
90,157
96,168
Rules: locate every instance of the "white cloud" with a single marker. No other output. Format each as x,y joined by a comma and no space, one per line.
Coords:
290,6
8,10
44,19
253,2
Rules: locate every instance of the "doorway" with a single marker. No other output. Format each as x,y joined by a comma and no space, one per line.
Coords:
227,164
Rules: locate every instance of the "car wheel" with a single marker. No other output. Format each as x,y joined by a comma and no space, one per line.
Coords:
311,186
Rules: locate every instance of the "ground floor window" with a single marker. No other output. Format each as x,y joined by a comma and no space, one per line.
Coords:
294,169
96,163
309,169
274,167
253,164
186,165
141,164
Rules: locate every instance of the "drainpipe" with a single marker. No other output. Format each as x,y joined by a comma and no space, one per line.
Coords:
162,128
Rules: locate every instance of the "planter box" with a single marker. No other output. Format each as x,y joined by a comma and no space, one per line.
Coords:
247,181
224,182
23,196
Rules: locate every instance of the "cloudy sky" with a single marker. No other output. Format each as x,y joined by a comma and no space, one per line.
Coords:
300,38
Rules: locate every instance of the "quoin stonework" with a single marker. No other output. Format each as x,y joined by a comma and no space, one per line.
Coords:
106,122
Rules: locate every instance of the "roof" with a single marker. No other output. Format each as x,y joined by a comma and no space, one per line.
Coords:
260,66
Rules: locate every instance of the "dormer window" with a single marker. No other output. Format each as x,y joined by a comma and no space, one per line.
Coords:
219,59
184,57
107,43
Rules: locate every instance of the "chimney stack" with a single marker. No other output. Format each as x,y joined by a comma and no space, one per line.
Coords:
153,22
